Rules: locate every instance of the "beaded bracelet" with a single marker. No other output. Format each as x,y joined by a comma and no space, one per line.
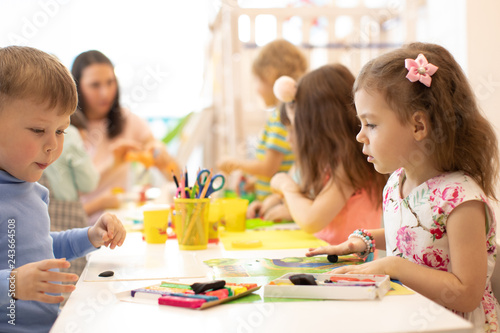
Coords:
366,237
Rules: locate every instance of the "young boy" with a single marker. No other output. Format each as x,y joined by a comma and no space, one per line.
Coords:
273,153
37,97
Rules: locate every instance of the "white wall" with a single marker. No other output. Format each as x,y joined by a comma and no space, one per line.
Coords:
483,52
158,47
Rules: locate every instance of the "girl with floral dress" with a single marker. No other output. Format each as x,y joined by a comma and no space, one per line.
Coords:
420,122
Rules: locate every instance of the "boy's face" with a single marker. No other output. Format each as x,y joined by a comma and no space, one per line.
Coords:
265,90
31,138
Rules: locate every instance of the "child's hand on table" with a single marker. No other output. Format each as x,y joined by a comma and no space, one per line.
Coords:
254,209
270,202
352,245
271,209
379,266
278,212
31,281
107,231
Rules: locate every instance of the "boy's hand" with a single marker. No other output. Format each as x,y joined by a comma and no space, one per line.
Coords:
107,231
34,280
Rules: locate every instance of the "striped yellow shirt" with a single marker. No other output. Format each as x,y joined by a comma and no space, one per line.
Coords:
274,136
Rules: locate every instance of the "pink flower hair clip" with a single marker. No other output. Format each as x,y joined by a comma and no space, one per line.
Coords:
420,70
285,89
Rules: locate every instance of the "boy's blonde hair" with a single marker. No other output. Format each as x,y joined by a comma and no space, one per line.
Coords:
28,73
279,58
461,138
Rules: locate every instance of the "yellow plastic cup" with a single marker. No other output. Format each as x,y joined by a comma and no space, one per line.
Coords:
235,211
191,223
215,215
156,223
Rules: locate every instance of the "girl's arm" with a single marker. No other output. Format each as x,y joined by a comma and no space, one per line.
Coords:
379,236
351,245
311,215
267,167
462,288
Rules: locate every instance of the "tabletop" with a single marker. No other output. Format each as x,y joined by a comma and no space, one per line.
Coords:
94,306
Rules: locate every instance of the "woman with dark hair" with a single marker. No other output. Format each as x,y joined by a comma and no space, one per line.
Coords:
112,131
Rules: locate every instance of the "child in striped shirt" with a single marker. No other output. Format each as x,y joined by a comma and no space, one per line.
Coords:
273,152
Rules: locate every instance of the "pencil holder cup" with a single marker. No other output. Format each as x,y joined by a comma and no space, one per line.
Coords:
191,223
235,211
156,223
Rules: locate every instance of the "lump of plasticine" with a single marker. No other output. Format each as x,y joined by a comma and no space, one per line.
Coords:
333,258
303,280
107,274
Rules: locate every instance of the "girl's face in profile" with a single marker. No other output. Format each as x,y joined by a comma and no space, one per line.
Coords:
387,142
98,87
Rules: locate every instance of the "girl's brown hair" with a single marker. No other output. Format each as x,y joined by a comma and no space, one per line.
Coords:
28,73
460,139
325,129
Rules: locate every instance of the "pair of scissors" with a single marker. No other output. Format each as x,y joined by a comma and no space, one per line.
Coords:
218,179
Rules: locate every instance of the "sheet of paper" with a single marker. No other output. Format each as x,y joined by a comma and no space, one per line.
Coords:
158,264
269,240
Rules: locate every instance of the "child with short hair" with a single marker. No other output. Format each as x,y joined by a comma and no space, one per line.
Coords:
273,153
420,122
335,189
37,97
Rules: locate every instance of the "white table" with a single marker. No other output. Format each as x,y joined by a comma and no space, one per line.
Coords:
93,306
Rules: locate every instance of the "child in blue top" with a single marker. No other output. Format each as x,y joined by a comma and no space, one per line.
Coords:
37,97
420,122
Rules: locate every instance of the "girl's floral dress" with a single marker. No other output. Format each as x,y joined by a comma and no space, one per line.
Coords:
415,229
